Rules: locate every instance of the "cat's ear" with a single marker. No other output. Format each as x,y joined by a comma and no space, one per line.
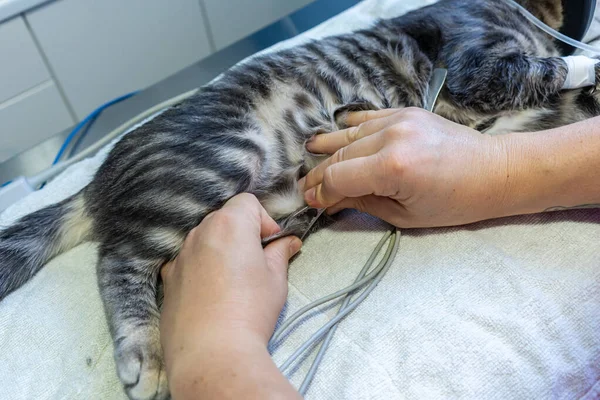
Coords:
340,115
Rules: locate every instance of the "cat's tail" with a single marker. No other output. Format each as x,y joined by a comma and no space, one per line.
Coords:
27,245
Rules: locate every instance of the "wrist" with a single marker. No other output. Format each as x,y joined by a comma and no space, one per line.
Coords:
206,365
222,367
200,345
547,169
523,184
491,184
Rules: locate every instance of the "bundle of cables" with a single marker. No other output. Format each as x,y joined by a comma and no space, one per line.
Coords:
326,332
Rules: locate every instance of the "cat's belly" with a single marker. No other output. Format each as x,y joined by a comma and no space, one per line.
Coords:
288,197
518,121
504,122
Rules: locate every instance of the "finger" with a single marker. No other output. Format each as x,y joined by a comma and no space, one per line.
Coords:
381,207
353,178
329,143
243,200
360,117
280,251
268,226
361,148
249,206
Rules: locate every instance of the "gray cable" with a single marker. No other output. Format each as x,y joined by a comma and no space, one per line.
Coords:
387,259
357,283
317,361
317,335
319,358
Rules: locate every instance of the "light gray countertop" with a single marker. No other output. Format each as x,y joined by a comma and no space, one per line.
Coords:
11,8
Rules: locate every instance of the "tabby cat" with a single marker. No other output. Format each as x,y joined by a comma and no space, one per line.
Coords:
245,132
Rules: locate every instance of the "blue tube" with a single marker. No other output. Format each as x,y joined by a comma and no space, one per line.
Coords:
82,135
89,119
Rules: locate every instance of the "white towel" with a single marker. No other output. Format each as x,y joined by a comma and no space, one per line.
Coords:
506,309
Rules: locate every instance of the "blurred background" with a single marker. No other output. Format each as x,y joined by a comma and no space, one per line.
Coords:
62,59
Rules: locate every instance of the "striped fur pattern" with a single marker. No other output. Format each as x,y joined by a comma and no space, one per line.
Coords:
246,132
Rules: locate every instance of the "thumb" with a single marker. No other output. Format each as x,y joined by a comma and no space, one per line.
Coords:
280,251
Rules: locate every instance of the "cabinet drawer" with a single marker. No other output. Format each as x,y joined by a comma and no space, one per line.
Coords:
30,118
22,66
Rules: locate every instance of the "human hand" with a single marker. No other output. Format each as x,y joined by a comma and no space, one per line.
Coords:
224,289
410,168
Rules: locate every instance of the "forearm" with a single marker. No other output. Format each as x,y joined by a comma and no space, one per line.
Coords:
229,369
552,169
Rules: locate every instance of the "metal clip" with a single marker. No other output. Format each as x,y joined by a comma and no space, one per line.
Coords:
308,212
315,214
436,83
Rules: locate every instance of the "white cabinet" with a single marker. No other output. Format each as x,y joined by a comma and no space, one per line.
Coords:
22,67
31,117
100,50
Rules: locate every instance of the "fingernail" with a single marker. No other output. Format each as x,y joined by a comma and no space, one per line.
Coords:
295,245
310,144
310,196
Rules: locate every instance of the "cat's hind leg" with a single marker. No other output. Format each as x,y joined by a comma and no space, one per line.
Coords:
128,287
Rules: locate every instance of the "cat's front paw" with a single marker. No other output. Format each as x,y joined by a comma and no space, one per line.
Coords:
140,365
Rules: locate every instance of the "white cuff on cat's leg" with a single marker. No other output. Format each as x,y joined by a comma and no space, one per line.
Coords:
581,72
